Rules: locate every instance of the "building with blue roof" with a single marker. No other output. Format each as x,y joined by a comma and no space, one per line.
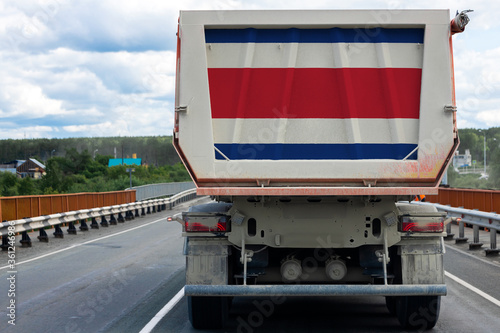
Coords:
124,161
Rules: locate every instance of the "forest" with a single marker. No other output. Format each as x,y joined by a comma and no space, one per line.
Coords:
81,164
153,150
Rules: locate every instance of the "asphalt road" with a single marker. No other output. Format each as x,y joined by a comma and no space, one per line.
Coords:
91,280
462,310
116,279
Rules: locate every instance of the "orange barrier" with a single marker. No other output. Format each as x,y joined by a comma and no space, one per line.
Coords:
482,200
15,208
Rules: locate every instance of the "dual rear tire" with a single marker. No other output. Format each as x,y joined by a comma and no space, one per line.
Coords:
415,312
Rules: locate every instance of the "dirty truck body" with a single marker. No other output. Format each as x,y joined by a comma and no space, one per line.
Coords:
310,129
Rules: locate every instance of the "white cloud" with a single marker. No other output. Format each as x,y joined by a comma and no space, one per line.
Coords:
85,87
91,129
490,117
478,88
25,100
98,68
29,132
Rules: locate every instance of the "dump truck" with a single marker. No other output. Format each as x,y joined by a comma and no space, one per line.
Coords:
312,131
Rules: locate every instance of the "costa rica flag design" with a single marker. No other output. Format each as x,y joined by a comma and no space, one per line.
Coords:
315,94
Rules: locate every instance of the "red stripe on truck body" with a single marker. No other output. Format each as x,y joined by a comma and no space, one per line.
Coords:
333,93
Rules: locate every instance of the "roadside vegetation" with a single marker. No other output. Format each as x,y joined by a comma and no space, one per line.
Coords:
474,140
74,171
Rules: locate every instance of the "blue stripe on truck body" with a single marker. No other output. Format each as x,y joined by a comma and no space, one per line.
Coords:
331,35
315,151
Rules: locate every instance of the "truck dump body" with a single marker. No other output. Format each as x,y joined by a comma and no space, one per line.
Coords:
330,102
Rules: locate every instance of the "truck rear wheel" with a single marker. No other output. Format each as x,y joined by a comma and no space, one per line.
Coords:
208,312
418,312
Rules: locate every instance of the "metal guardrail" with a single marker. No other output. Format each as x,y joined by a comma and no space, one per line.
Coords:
477,219
125,212
150,191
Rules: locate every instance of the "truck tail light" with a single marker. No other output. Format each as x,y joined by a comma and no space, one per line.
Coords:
203,226
413,224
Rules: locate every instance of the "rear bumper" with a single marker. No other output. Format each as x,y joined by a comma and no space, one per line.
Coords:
316,290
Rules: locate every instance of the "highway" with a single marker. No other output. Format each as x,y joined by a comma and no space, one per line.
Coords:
117,279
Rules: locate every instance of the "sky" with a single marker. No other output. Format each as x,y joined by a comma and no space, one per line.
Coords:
94,68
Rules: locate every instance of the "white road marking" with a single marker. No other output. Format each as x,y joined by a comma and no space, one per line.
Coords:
163,312
472,288
84,243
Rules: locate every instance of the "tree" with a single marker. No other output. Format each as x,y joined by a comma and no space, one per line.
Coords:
77,162
54,174
494,171
8,182
26,186
469,139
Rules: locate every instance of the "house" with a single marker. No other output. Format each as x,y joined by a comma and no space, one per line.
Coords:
31,168
462,160
12,167
25,168
7,167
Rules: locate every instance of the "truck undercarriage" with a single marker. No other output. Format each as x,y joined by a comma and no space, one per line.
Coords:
353,246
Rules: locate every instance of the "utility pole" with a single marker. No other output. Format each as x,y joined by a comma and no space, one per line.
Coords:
130,170
485,153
